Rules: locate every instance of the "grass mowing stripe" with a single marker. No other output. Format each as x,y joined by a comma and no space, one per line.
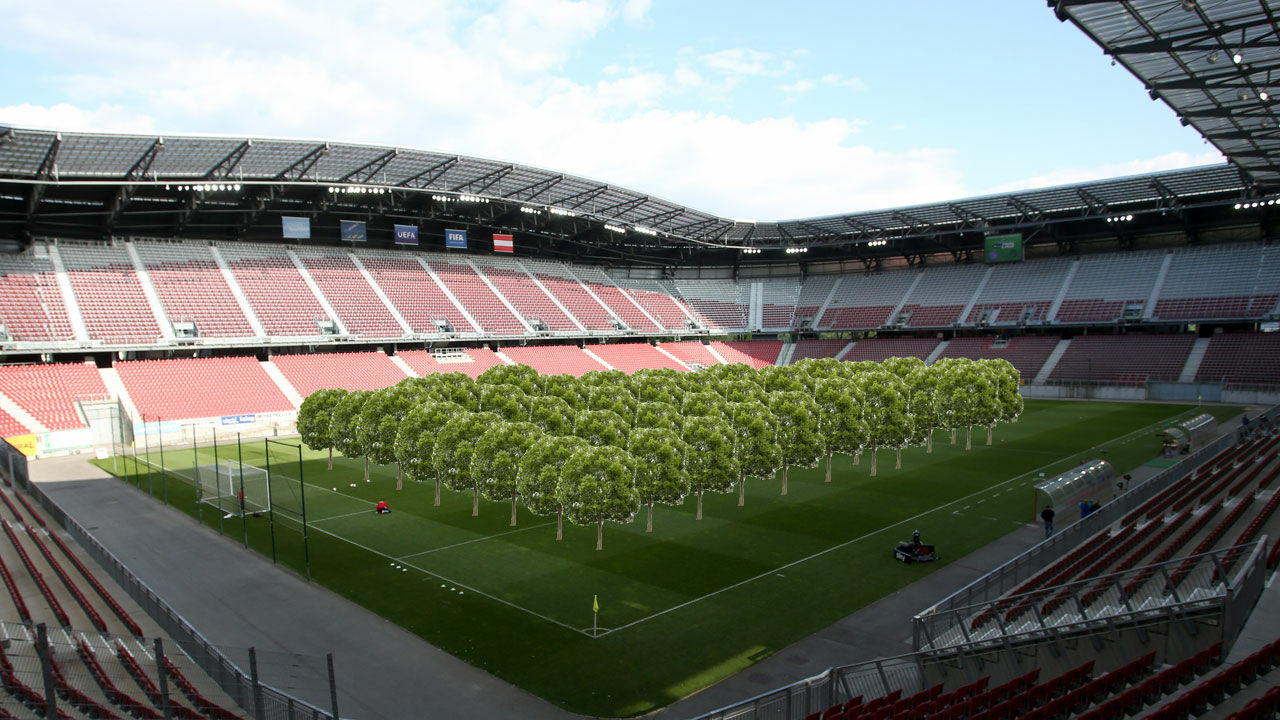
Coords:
476,540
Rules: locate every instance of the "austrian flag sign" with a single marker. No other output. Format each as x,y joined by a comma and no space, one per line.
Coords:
503,243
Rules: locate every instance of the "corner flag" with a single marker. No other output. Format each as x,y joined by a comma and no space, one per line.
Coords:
595,604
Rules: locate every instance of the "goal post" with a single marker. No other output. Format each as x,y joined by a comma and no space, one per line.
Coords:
235,488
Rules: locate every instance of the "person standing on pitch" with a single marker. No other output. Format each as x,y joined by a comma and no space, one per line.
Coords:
1047,516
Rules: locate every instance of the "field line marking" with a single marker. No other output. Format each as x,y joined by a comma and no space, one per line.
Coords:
338,517
846,543
438,576
475,540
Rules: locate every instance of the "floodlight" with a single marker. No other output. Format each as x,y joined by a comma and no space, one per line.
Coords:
1263,95
1237,58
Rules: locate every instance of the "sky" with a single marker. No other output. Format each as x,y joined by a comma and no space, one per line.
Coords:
748,109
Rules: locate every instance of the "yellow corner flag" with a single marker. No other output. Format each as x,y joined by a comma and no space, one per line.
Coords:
595,603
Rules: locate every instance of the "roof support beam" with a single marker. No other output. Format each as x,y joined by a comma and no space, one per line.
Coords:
222,169
582,197
1027,210
622,207
431,174
371,168
480,184
299,169
661,217
534,189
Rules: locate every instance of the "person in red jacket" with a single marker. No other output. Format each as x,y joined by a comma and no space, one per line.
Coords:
382,508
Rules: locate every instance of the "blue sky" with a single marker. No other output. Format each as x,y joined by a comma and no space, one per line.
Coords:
757,110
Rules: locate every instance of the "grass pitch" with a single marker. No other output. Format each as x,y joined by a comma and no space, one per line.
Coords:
686,605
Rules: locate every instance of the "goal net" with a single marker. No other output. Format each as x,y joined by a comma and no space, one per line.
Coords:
234,487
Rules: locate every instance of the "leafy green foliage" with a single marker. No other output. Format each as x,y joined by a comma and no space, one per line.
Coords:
315,418
660,472
495,461
454,449
597,485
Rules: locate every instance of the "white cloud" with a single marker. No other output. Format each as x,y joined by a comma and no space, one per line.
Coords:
63,116
741,61
634,12
838,80
798,87
1069,176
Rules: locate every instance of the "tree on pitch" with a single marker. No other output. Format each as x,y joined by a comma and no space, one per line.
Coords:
705,403
755,443
797,426
315,418
885,410
567,388
1008,401
539,475
380,419
496,460
344,426
925,400
455,446
660,473
416,441
971,396
709,458
602,427
455,387
597,484
658,415
551,414
613,397
508,401
840,425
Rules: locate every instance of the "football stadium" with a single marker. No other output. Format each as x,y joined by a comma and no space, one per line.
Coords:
326,429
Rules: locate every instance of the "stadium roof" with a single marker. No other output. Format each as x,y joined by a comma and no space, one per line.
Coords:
1215,62
66,184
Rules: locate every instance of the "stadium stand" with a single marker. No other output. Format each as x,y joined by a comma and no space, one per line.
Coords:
191,288
280,298
717,304
31,304
1124,359
10,427
1109,287
474,294
938,300
865,301
778,303
1027,354
561,285
664,308
1219,282
554,359
362,312
109,294
183,388
518,287
756,353
414,293
630,357
878,349
349,371
691,353
817,349
1019,293
813,293
49,392
620,302
470,361
1241,357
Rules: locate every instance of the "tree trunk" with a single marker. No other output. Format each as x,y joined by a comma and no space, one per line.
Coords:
929,442
513,509
785,467
873,460
330,457
437,503
742,488
829,467
989,429
699,503
953,436
475,501
560,524
968,437
600,534
399,475
898,465
649,526
366,468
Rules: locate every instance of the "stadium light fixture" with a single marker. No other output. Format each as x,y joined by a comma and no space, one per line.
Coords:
530,210
646,231
614,228
562,212
1263,96
1237,58
751,251
877,243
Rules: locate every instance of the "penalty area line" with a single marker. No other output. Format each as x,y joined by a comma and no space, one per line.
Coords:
474,540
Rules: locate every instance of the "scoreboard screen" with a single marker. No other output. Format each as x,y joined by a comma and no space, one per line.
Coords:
1003,248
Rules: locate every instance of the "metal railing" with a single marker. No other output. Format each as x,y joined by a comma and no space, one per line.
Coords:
260,700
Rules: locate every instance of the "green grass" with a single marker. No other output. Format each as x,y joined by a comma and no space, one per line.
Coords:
690,603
